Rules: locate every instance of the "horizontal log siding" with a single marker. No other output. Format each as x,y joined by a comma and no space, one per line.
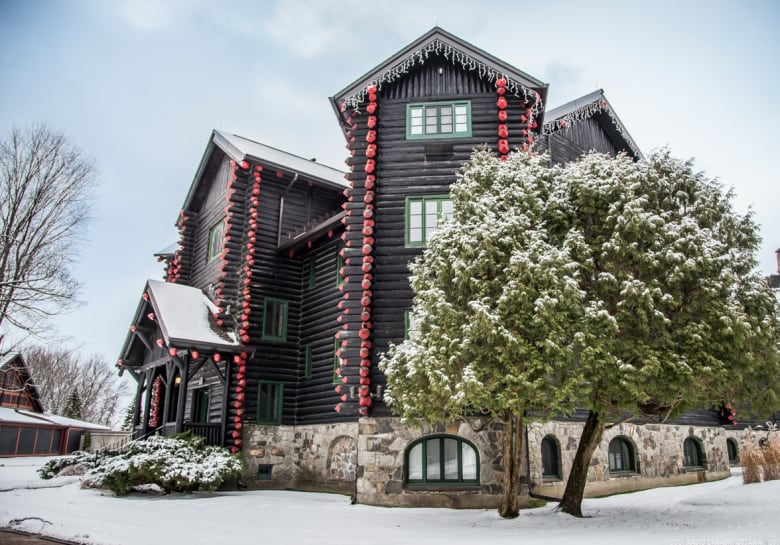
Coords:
211,380
319,312
203,273
279,276
405,168
571,142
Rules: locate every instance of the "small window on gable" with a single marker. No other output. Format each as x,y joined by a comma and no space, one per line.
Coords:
550,458
274,320
423,215
621,455
200,405
438,120
269,402
693,455
441,460
216,238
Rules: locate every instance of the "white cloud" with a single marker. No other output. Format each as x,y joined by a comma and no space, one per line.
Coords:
147,14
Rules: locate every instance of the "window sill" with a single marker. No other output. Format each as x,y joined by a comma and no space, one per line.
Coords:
442,487
615,474
694,469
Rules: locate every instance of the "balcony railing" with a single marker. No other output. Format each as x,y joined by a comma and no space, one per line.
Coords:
211,432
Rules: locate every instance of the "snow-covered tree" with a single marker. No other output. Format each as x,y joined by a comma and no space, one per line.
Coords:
73,406
617,286
674,314
494,301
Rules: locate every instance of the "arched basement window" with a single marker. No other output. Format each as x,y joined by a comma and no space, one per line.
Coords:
621,455
692,452
550,458
733,449
441,460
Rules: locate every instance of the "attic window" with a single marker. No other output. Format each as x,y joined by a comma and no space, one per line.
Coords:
438,120
216,238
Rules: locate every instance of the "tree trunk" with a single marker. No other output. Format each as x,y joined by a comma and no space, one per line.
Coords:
571,502
512,447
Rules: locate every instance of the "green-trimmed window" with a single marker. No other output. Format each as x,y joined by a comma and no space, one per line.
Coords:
733,449
551,467
339,264
441,460
216,238
438,120
274,319
621,455
269,402
336,361
312,272
423,215
692,453
200,405
307,357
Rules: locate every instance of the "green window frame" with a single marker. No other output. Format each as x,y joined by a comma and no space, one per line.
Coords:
274,319
733,450
216,240
336,361
693,454
200,405
551,467
423,215
441,460
427,120
339,264
270,395
307,358
312,272
621,456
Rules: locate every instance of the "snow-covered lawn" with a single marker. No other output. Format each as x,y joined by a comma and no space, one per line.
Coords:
720,513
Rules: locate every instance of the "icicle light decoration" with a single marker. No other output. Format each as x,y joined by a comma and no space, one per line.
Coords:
586,112
456,57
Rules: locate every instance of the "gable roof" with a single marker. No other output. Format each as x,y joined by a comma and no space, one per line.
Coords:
185,317
593,105
440,42
240,149
14,362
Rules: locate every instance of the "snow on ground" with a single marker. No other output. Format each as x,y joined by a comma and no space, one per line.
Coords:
719,513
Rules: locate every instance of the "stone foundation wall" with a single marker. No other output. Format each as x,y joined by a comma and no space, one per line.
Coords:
381,446
658,452
366,460
319,457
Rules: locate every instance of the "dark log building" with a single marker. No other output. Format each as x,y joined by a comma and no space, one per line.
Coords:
290,278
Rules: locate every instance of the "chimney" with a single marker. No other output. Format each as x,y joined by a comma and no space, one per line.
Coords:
777,255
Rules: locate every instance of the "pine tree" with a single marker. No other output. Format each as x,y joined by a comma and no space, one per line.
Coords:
127,423
73,406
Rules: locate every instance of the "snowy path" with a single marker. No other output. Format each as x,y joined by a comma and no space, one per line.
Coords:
720,513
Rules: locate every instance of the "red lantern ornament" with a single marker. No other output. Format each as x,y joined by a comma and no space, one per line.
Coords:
502,115
503,130
371,108
500,82
501,103
371,121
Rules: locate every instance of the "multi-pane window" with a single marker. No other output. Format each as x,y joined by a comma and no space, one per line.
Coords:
438,120
423,215
693,457
442,459
269,402
274,319
621,455
216,238
550,465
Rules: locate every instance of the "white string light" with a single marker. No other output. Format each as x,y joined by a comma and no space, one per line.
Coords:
586,112
455,56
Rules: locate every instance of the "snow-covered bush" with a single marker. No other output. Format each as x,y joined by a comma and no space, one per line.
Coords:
174,464
53,467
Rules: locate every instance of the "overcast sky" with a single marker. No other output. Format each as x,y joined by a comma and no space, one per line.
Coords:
140,84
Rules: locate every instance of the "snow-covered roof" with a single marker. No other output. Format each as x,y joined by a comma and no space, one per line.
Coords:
168,250
185,316
21,416
240,149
